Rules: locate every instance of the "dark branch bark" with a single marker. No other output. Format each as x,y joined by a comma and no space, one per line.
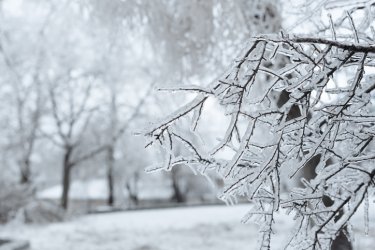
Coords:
317,40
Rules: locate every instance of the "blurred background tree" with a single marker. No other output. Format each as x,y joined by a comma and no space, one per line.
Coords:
77,82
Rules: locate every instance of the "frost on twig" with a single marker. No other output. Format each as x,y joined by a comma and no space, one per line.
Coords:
328,115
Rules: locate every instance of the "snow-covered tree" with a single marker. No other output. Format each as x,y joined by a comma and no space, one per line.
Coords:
314,112
22,90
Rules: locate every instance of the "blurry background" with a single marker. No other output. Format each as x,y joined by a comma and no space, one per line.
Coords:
78,79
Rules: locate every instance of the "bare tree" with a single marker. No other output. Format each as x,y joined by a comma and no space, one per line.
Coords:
28,103
325,123
117,128
28,113
71,113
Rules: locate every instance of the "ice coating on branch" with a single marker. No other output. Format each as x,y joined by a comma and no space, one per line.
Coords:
297,105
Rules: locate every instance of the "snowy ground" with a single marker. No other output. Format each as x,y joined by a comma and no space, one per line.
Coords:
196,228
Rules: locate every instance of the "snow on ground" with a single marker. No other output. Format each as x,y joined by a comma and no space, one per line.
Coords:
216,227
194,228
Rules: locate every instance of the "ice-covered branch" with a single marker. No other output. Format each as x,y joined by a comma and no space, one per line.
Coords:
297,105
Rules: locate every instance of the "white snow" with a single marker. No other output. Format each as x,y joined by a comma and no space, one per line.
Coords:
194,228
216,227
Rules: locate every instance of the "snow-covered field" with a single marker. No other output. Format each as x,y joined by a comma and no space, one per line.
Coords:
194,228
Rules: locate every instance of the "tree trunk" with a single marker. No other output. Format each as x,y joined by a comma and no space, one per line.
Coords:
111,148
25,172
132,188
25,161
178,195
110,176
341,242
133,196
66,178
